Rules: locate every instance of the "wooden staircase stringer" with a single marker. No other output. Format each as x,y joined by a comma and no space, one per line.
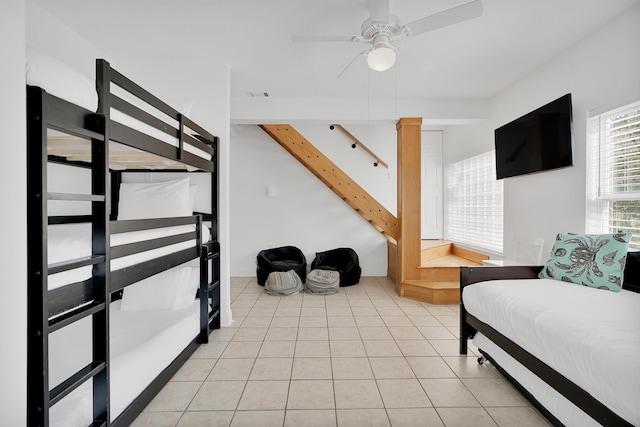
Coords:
334,178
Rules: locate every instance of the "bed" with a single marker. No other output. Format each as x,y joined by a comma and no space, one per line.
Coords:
571,350
123,280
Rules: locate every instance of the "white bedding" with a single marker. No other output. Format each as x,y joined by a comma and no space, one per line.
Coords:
142,343
590,336
71,241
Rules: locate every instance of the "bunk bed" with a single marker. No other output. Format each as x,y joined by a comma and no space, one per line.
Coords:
122,290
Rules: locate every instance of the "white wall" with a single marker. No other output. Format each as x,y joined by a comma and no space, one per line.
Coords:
601,70
304,212
13,181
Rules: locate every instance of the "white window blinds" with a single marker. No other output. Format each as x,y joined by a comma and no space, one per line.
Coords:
613,172
474,203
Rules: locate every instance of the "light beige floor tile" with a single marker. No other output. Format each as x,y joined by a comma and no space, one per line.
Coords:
518,416
217,396
375,333
405,332
262,311
175,396
310,300
446,347
312,349
452,320
250,334
340,321
211,350
468,367
206,418
277,349
313,312
194,370
436,333
362,321
311,368
253,321
241,349
313,322
292,301
390,368
362,417
311,394
281,334
465,417
364,310
407,393
448,392
430,367
285,322
287,311
494,392
381,348
387,308
414,417
424,320
157,419
267,300
402,321
344,333
258,418
310,418
415,310
440,310
416,348
347,348
351,368
313,334
223,334
271,369
356,394
264,395
339,310
231,369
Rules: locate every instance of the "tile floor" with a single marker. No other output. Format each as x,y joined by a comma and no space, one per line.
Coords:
361,357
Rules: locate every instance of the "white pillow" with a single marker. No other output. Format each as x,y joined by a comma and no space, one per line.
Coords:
173,289
60,80
154,200
193,189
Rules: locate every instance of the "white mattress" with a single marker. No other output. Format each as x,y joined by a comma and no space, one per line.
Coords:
71,241
590,336
143,343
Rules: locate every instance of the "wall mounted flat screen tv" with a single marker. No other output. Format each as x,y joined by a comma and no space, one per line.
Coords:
538,141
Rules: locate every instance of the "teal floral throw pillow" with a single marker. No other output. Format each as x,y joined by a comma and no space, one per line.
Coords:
594,260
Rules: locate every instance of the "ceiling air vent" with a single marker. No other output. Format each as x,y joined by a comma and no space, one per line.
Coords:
258,94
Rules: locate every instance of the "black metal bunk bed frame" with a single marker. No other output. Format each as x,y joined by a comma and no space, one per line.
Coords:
50,310
469,325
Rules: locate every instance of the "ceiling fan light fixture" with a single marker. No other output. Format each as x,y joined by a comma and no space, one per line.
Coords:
381,57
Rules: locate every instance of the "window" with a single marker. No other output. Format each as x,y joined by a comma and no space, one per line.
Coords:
613,172
474,203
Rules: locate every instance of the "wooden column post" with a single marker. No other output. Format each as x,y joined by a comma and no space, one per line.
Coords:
409,132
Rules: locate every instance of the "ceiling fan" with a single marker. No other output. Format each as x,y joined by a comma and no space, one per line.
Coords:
383,31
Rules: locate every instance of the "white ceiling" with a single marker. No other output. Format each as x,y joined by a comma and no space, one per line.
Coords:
473,59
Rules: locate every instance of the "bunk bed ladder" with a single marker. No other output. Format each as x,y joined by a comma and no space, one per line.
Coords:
51,310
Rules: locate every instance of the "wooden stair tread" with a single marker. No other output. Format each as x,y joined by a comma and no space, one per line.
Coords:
432,285
448,261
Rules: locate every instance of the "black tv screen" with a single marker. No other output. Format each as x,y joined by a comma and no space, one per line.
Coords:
538,141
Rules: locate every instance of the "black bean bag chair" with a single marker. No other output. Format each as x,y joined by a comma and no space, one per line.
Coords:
343,260
284,258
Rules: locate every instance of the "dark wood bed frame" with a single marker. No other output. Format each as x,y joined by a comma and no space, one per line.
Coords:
469,325
48,310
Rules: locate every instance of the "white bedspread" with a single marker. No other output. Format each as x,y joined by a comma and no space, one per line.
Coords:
590,336
143,343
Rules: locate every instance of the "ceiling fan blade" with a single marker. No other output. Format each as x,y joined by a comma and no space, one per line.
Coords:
445,18
319,38
379,10
364,52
